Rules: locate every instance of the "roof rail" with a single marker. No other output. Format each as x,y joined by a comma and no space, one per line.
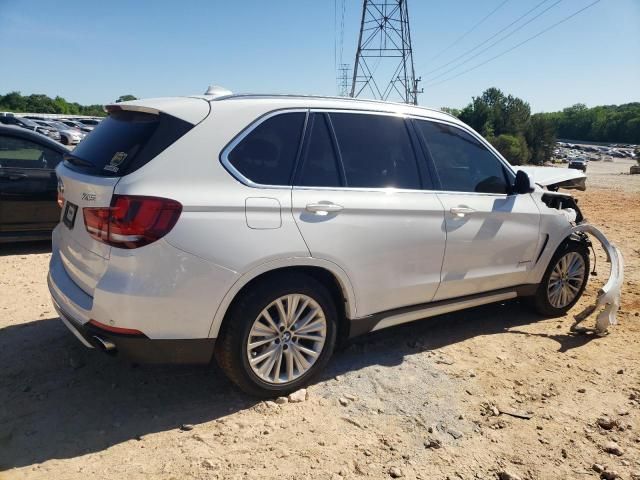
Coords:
326,97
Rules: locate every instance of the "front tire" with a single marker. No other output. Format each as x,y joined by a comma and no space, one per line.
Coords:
564,280
278,335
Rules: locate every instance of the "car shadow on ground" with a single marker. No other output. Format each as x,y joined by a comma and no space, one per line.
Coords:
25,248
59,400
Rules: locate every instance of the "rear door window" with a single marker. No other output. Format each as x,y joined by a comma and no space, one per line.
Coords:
125,141
268,153
462,162
22,153
320,164
376,151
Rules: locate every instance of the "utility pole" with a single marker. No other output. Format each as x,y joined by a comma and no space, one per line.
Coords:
343,79
385,52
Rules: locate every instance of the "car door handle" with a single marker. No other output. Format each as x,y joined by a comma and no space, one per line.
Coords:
323,208
13,176
461,211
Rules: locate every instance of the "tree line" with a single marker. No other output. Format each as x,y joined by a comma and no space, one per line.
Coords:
507,123
607,123
39,103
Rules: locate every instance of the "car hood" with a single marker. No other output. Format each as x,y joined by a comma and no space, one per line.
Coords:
553,177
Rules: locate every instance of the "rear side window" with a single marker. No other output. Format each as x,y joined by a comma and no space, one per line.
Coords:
125,141
268,153
22,153
462,162
376,151
320,165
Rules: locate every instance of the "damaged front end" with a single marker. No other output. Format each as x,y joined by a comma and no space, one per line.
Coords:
608,297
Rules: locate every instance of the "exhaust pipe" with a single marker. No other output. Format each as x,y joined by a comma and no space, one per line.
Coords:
104,344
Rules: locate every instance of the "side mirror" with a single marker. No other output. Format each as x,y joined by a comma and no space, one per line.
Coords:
523,183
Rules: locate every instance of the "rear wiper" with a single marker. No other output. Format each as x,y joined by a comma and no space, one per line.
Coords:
74,160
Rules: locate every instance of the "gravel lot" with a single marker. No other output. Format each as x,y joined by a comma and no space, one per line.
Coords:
422,400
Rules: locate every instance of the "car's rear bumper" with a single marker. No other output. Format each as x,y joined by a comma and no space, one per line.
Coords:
139,348
75,308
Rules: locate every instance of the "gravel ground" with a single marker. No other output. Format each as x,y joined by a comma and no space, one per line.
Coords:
425,400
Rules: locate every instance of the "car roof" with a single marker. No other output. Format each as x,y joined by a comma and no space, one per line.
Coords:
186,107
34,136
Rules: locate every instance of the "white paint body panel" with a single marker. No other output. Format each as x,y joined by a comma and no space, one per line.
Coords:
491,247
390,243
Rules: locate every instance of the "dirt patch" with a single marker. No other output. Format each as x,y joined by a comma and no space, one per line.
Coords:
422,400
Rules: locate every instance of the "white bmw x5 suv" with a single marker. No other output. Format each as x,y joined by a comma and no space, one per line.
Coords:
261,230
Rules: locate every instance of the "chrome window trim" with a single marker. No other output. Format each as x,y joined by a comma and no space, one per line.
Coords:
224,156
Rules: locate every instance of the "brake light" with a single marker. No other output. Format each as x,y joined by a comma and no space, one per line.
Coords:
132,221
60,193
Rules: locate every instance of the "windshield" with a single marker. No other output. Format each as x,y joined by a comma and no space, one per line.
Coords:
59,125
27,122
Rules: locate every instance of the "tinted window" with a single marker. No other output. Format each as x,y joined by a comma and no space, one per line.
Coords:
320,167
21,153
462,163
376,151
125,141
267,154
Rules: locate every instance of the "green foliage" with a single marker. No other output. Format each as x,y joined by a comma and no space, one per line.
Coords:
126,98
606,123
506,121
38,103
512,147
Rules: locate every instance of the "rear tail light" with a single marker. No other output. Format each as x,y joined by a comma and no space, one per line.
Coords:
132,221
60,193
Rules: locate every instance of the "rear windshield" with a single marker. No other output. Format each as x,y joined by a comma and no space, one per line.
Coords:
124,142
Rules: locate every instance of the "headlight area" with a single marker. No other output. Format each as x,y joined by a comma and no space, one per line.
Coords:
608,299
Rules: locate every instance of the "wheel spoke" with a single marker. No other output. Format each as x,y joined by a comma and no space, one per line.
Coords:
264,341
264,355
314,326
300,311
306,351
267,316
302,362
309,336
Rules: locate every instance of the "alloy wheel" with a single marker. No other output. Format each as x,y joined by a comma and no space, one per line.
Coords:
286,339
566,280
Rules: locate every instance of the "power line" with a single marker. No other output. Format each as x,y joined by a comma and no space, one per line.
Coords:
488,39
440,75
456,41
515,46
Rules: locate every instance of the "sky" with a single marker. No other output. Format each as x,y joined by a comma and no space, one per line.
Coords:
93,52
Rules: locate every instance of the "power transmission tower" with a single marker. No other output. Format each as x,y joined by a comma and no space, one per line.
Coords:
384,51
343,79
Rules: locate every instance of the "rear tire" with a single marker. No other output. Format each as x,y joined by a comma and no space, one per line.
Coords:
278,336
564,280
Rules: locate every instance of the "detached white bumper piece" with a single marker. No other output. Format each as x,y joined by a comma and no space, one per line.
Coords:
609,294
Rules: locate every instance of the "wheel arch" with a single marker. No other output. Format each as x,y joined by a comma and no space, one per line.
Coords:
570,235
330,274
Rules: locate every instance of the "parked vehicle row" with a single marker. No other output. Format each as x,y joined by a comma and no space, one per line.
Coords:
65,131
262,230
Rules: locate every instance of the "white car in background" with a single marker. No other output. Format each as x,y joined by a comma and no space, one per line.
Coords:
261,230
68,135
